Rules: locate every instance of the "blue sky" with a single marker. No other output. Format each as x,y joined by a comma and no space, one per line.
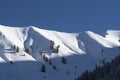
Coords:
62,15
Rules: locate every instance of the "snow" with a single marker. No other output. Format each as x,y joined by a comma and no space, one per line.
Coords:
113,36
81,50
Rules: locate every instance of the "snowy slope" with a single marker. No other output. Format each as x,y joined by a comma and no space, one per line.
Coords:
81,50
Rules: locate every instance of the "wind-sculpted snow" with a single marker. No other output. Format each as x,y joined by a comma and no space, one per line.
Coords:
81,51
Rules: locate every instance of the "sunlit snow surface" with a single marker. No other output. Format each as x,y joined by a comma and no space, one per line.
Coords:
81,50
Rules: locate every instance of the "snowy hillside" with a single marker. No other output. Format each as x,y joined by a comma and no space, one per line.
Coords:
24,51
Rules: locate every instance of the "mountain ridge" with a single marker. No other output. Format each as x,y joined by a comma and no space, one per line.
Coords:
79,49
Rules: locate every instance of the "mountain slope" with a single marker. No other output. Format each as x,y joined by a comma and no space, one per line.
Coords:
81,50
109,71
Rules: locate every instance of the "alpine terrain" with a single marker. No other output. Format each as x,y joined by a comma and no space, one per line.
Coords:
31,53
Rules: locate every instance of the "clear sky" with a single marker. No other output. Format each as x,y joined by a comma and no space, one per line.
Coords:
62,15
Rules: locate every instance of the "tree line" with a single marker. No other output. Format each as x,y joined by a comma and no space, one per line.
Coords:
109,71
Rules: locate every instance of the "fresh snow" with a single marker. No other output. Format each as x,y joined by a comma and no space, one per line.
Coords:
82,51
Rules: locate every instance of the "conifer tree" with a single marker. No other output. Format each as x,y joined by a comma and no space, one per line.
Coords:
43,69
54,67
45,58
64,60
27,50
119,40
17,49
50,62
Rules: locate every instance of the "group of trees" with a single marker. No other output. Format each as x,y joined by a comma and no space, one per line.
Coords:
47,60
109,71
16,48
43,68
54,48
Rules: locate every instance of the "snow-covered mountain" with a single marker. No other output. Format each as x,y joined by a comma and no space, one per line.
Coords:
81,51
